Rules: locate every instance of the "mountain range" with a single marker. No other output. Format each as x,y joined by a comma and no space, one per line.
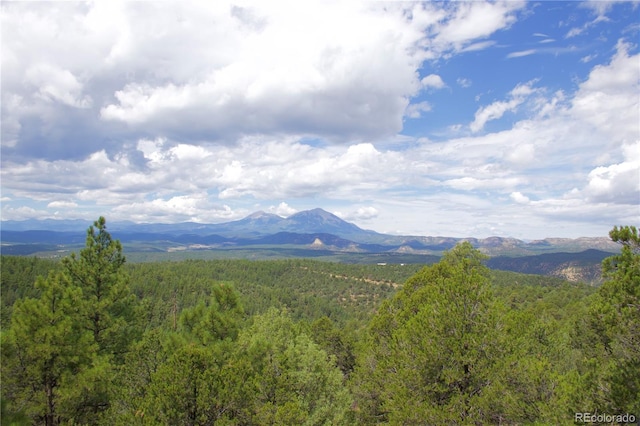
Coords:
308,233
255,225
300,228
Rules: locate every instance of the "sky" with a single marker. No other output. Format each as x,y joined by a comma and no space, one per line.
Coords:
461,119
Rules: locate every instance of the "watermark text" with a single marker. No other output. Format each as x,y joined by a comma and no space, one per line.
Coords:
604,418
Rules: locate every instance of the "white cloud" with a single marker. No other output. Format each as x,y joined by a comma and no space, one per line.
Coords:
600,9
588,58
493,112
416,110
336,82
464,82
360,214
605,101
432,81
193,207
481,45
283,209
23,213
522,154
210,111
200,71
476,20
469,183
62,205
574,32
617,183
54,84
519,198
497,109
521,53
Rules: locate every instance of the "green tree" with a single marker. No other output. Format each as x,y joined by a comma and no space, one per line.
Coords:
615,322
218,320
58,354
46,352
134,378
292,381
434,351
190,388
333,340
107,305
185,377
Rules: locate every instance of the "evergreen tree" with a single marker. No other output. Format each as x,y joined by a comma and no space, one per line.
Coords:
189,388
46,352
615,324
107,305
335,343
215,321
134,379
291,381
58,353
434,350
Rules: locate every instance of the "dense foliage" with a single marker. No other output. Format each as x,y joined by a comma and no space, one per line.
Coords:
94,340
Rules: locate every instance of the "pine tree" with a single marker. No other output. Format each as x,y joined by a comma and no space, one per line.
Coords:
615,322
58,353
217,320
45,352
107,305
433,348
291,381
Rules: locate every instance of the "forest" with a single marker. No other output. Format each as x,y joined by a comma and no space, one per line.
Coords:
93,339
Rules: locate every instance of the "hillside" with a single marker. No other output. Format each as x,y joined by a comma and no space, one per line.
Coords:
575,267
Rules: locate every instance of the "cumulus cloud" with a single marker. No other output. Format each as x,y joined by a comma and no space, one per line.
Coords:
432,81
519,198
207,111
283,209
58,85
332,84
617,183
179,180
603,101
195,207
360,214
416,110
215,72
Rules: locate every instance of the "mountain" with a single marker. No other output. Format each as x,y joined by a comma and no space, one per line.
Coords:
256,224
58,225
318,220
261,228
258,219
311,233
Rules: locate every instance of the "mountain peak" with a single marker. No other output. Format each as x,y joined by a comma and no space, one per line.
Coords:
319,220
317,212
262,215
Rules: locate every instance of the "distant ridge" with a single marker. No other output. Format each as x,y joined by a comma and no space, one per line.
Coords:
256,224
302,228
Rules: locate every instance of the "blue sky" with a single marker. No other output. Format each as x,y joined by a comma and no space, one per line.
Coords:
459,118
